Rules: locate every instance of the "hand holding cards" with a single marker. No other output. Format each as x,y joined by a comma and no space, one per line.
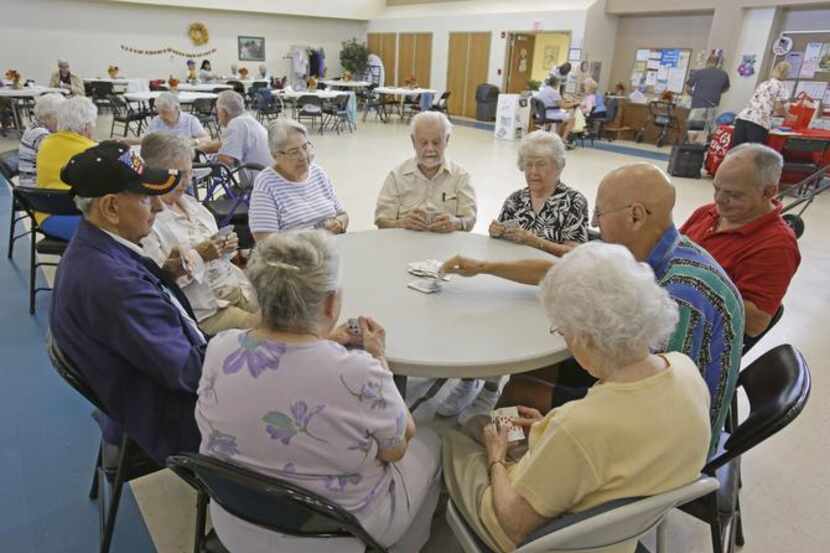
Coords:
505,416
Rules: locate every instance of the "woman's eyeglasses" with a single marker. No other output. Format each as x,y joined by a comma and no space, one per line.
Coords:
299,153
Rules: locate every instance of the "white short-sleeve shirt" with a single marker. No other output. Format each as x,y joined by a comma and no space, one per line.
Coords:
188,126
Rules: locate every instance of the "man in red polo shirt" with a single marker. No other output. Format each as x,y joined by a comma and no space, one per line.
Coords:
745,233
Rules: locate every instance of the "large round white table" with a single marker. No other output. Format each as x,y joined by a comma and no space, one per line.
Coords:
184,97
474,327
209,87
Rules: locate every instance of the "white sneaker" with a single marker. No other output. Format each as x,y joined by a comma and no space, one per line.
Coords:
460,397
481,406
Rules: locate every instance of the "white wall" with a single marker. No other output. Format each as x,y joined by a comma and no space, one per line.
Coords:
34,33
347,9
806,20
754,39
437,19
600,40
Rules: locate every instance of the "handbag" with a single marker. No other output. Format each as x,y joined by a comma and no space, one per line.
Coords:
801,112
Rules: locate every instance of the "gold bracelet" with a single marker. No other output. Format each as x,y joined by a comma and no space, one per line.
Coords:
494,463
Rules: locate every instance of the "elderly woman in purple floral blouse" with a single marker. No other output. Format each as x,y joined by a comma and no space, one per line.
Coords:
288,399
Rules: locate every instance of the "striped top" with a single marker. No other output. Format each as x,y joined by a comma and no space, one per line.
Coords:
27,154
711,325
278,204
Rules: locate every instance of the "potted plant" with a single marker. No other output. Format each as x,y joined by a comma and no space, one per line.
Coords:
14,77
112,71
354,57
533,85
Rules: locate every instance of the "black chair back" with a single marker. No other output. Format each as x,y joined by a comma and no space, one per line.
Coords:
9,165
70,373
203,106
119,106
778,385
268,502
237,86
750,341
309,100
46,200
101,90
537,109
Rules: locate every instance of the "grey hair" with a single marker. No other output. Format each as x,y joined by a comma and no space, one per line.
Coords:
84,205
280,130
541,142
76,114
163,150
62,61
230,101
767,162
48,106
781,70
167,100
599,292
431,117
293,273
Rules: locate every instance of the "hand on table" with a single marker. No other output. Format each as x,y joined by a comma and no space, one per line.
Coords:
462,266
415,220
334,226
519,235
497,229
444,223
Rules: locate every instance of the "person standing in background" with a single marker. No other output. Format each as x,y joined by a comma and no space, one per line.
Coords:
706,86
769,99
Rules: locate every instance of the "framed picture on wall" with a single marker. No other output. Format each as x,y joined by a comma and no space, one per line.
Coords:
251,48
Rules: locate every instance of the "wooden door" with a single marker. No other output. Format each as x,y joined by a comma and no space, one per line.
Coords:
406,57
384,45
457,72
423,59
521,62
478,65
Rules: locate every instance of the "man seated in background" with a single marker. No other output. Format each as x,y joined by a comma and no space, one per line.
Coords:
65,79
634,209
244,139
124,322
428,192
744,231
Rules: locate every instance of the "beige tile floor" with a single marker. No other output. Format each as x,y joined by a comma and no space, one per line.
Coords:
786,480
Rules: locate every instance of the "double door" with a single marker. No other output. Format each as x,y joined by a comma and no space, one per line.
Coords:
467,67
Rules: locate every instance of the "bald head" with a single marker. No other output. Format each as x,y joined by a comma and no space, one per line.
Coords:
634,207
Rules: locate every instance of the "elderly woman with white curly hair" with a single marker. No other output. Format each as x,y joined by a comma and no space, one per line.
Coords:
295,193
288,399
44,123
172,120
642,429
77,118
546,214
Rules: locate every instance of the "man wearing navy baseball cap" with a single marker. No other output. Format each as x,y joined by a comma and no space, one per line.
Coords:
121,320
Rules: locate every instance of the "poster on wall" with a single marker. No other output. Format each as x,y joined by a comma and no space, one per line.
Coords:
794,59
642,55
747,66
812,55
824,60
251,48
813,89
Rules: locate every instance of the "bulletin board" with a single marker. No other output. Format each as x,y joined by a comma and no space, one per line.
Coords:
661,69
810,61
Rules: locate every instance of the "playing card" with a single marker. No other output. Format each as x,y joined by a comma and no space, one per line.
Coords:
425,286
505,415
353,325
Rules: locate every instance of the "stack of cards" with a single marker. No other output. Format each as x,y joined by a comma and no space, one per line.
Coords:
506,415
430,268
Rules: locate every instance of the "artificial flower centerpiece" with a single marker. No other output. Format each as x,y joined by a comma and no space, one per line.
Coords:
173,82
312,83
347,75
411,82
243,72
112,71
13,76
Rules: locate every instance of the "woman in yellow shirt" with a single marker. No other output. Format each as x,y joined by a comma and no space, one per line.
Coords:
76,123
643,428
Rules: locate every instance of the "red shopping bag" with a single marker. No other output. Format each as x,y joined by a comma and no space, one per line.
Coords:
801,113
718,148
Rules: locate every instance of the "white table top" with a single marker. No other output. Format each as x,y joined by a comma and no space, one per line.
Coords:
29,91
184,97
185,87
473,327
346,84
133,85
324,94
398,91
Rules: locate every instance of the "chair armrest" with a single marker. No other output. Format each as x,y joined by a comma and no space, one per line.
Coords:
252,166
570,519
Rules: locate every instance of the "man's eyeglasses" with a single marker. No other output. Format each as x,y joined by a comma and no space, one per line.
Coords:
598,213
299,153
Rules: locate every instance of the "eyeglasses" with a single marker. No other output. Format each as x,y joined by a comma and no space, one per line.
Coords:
597,213
299,153
539,165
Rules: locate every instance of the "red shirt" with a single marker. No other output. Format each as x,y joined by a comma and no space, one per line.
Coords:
760,257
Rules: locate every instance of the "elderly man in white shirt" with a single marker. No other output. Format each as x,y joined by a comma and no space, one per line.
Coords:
428,192
244,139
186,242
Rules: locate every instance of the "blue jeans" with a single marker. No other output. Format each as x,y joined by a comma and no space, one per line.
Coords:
61,226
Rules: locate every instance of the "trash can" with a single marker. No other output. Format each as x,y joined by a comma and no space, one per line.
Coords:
487,100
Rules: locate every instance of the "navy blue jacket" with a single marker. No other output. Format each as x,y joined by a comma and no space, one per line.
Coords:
111,317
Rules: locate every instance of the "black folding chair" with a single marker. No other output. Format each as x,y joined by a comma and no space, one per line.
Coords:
442,103
310,106
538,112
131,120
337,113
129,460
662,115
9,170
264,501
778,385
102,91
227,197
267,105
204,109
51,202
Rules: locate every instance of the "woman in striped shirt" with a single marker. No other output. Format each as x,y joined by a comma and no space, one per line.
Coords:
295,193
45,122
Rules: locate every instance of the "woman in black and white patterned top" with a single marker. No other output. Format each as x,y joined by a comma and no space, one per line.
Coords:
546,214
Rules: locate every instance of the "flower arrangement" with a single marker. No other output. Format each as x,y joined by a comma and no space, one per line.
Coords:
173,82
411,82
13,76
312,83
112,71
667,96
347,76
243,72
198,34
